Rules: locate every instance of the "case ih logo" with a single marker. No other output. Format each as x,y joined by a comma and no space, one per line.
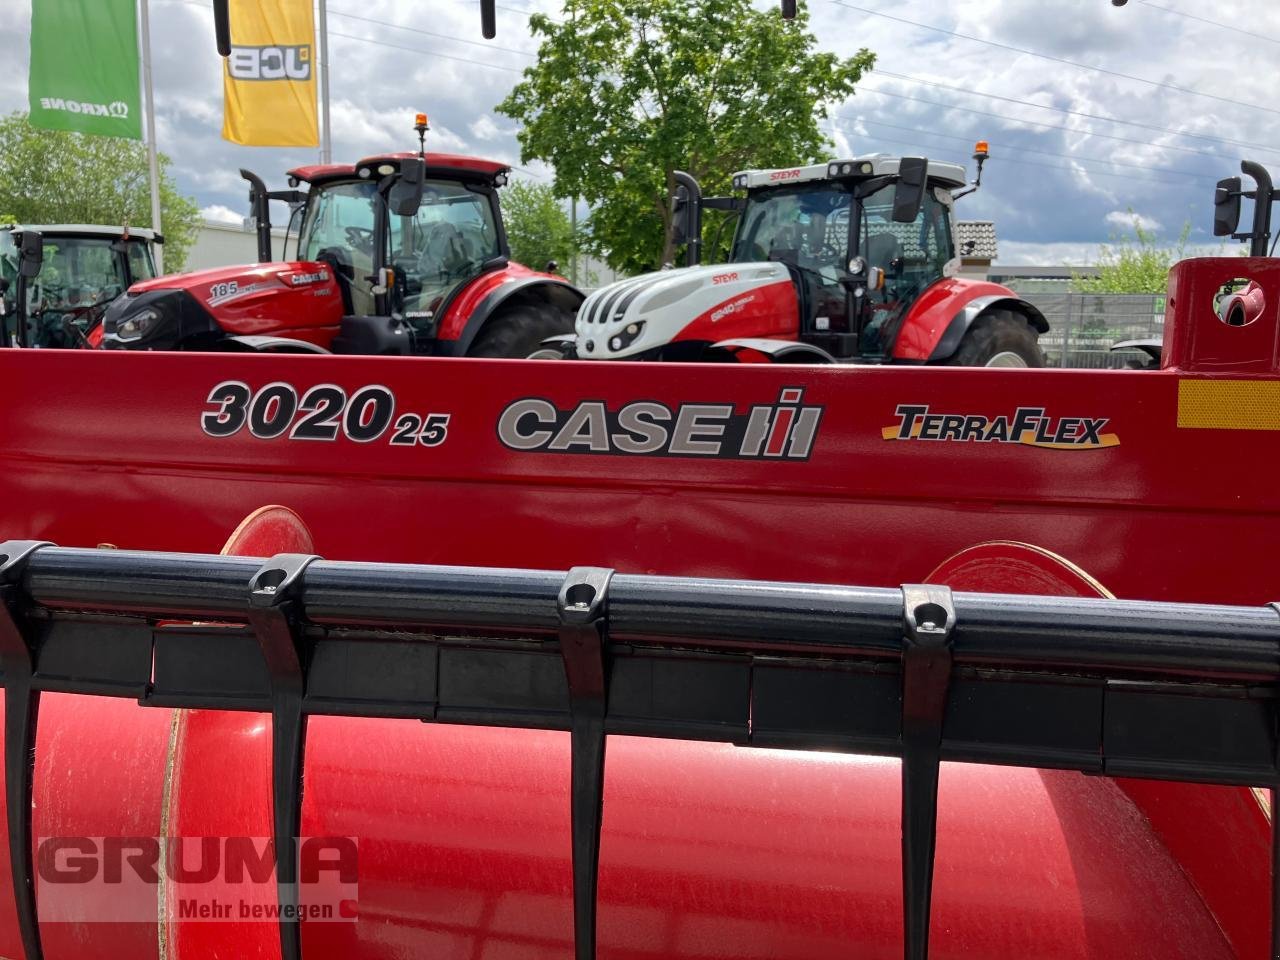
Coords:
785,430
270,63
1028,426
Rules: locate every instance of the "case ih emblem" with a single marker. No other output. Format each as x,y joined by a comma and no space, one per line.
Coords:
785,430
1028,426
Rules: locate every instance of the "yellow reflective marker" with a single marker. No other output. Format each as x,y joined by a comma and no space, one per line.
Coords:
1229,404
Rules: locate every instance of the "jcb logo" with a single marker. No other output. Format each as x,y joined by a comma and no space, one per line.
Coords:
270,63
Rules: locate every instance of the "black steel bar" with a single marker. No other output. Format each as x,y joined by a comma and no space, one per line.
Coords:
21,713
928,620
1145,637
273,593
582,606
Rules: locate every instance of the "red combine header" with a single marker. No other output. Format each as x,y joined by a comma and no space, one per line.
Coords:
1052,483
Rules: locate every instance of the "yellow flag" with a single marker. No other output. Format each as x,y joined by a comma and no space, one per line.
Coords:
269,81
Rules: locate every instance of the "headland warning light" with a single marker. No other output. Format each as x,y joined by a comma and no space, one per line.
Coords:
981,150
420,122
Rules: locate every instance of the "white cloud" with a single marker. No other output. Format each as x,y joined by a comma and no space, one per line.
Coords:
1126,220
220,214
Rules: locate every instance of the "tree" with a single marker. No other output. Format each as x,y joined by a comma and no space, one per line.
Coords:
1136,264
52,176
627,91
538,227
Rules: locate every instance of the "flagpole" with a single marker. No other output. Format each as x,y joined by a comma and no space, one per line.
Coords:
326,143
149,103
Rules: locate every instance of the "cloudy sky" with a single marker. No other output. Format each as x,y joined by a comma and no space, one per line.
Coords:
1090,110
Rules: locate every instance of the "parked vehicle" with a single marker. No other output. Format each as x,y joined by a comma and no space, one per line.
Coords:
852,261
79,270
401,253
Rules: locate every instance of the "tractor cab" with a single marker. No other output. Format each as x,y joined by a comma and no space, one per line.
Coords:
862,240
403,231
73,271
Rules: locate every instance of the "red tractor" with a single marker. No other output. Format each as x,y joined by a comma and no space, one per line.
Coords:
847,261
402,253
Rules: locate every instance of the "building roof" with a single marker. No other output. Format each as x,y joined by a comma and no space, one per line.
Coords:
981,233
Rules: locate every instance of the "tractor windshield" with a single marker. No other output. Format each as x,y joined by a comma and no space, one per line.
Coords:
806,226
443,244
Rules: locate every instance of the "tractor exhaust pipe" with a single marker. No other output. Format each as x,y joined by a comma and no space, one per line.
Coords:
260,210
1263,195
686,221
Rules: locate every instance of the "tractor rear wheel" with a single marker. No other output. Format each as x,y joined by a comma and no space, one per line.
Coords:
519,330
1000,338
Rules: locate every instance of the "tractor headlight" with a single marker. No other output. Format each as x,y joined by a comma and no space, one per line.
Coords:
833,170
740,182
858,267
136,326
624,339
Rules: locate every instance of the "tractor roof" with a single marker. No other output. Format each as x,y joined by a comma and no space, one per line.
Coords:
83,230
448,163
949,174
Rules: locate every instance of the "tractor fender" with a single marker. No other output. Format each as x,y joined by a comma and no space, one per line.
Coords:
542,288
264,344
949,342
774,351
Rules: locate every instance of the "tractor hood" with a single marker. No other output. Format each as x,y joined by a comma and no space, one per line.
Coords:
707,303
276,299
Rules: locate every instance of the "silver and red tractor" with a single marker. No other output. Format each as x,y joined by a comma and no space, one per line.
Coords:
847,261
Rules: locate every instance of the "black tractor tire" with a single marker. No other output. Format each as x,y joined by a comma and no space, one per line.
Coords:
1000,338
519,330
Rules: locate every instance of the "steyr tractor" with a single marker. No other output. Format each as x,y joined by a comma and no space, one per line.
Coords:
56,280
847,261
402,253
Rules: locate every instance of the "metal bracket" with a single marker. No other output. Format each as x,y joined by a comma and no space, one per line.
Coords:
928,619
583,613
1275,836
21,711
274,594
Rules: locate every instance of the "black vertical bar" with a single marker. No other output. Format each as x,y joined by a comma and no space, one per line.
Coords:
928,618
274,616
583,610
21,711
1275,875
488,19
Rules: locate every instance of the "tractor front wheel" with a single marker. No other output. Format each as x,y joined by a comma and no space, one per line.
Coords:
519,330
999,339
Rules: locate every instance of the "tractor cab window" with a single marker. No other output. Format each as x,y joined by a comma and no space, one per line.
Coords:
337,227
78,278
804,226
912,256
445,243
141,266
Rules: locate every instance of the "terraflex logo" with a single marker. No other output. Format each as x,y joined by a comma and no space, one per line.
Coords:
116,109
274,62
1029,426
785,430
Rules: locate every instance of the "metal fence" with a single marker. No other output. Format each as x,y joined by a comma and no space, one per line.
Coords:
1083,326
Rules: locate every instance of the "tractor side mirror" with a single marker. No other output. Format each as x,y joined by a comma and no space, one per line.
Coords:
909,194
1226,207
405,196
30,253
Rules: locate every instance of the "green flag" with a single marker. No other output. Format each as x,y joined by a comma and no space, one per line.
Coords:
84,67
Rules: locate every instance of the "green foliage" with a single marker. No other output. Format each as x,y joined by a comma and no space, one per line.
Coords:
1136,264
626,91
538,226
52,176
